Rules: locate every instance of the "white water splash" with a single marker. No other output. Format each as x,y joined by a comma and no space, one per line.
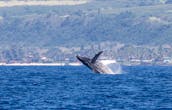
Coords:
113,66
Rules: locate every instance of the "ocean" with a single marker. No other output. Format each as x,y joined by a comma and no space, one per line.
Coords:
76,88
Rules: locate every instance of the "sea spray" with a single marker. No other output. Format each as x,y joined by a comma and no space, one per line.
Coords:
113,66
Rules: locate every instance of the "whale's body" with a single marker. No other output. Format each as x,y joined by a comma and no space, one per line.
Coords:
94,64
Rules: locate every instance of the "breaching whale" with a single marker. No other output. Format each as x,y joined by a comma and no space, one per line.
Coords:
95,65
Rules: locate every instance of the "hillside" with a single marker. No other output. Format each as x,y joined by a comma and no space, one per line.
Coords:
49,31
53,26
13,3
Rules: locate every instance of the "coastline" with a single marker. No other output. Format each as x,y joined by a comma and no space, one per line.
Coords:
106,62
68,64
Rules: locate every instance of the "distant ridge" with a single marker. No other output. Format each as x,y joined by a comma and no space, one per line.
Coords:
43,3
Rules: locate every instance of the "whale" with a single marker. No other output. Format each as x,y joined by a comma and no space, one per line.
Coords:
94,64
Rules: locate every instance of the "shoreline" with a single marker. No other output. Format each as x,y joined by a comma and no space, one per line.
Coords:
65,64
53,64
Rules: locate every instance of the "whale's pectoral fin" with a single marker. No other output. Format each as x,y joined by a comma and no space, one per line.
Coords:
96,57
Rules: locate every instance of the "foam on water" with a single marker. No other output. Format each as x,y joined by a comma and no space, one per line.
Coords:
113,66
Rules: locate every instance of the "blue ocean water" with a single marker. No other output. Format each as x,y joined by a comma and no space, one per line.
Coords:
72,88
